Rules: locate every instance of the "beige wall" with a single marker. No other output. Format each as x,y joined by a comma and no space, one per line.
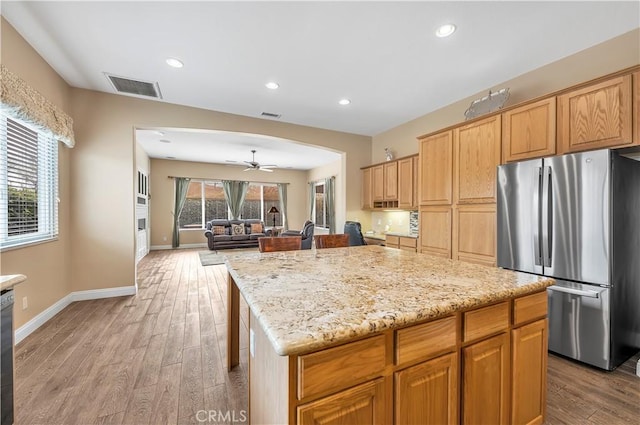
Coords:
608,57
45,265
162,192
103,166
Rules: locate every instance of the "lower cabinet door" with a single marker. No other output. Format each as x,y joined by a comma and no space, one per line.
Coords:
530,373
363,404
428,392
486,377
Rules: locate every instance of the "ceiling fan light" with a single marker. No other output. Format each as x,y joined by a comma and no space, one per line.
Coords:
445,30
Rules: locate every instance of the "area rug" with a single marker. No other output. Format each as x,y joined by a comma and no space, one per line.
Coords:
212,258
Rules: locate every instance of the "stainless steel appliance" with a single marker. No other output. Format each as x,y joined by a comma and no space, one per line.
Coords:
576,218
6,357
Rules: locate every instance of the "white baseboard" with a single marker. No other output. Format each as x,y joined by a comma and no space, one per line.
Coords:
182,246
93,294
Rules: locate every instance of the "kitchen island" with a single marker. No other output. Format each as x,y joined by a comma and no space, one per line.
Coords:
378,335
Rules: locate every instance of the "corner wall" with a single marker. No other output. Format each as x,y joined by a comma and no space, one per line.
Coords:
46,265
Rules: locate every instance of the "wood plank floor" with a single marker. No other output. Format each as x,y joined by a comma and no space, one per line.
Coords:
158,358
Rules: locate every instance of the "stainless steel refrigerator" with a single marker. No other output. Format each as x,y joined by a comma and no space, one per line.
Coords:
576,218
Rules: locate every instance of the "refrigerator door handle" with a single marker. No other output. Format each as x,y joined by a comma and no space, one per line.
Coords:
546,213
536,225
590,294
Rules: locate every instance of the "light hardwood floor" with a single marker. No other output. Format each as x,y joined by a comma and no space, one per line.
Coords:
159,357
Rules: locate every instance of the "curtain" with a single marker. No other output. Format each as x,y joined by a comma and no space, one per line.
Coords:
282,191
312,198
27,104
181,186
329,199
234,193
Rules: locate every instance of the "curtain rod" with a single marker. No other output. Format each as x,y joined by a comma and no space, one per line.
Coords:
220,180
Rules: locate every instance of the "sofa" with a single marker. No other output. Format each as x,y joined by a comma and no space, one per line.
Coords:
223,234
306,233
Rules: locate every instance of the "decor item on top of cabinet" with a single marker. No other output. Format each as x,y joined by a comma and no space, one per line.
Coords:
388,154
489,103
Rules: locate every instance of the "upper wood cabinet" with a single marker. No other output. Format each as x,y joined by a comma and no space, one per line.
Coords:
436,169
598,116
390,181
367,201
405,183
529,131
377,183
477,154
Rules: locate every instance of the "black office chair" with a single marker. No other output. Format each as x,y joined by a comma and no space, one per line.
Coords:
354,230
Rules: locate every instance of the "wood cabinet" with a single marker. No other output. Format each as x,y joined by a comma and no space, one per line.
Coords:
529,131
367,199
377,183
597,116
636,108
391,181
363,404
486,377
475,234
405,183
416,181
406,243
476,156
436,169
435,230
483,365
428,392
529,390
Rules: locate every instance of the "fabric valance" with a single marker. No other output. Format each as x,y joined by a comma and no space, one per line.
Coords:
26,103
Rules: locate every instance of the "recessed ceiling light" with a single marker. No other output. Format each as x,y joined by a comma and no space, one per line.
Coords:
344,102
170,157
272,85
164,141
158,133
445,30
175,63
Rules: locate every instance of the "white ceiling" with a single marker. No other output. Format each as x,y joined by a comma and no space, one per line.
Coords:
383,56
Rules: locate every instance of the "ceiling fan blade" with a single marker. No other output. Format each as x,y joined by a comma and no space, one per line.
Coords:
249,169
268,170
268,166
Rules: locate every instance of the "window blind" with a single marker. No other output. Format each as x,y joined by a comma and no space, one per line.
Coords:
28,183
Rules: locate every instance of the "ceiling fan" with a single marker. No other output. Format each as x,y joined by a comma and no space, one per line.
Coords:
253,165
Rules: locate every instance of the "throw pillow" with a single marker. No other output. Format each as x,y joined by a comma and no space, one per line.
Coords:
256,228
237,229
218,230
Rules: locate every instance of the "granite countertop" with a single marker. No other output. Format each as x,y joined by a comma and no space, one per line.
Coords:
11,280
310,299
383,236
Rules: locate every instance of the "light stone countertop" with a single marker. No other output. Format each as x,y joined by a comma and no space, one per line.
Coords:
310,299
11,280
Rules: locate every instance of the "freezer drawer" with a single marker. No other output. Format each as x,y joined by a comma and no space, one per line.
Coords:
579,322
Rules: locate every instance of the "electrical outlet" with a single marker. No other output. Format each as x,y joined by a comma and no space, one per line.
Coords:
25,303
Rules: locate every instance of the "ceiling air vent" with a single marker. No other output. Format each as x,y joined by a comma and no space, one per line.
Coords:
270,115
135,87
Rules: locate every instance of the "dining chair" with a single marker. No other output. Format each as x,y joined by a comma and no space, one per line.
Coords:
331,241
280,243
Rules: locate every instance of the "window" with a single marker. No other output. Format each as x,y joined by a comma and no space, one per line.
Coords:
28,184
205,201
320,206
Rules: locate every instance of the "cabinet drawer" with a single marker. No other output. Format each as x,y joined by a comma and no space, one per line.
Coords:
409,242
529,308
486,321
392,241
421,341
340,367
